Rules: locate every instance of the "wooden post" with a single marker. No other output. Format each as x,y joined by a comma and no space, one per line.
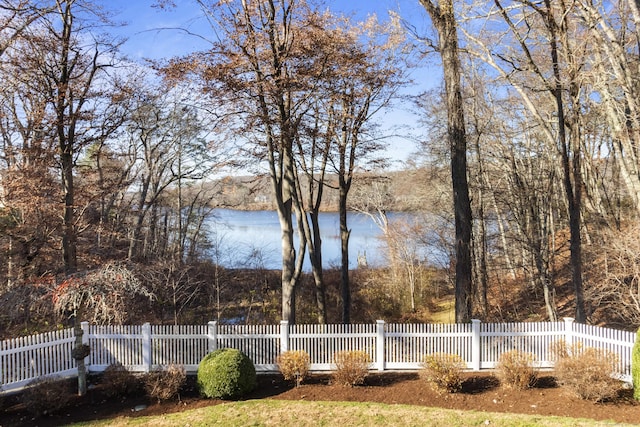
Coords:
85,339
284,336
380,362
475,345
146,347
212,336
568,332
79,354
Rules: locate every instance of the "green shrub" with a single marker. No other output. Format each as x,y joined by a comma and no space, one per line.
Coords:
165,384
226,374
294,365
587,372
443,371
118,381
635,367
46,396
352,367
515,369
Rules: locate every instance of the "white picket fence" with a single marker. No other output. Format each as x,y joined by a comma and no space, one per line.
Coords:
144,348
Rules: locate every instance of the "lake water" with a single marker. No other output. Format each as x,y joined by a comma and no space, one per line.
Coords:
251,239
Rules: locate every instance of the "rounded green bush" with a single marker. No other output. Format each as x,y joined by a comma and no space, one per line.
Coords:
226,373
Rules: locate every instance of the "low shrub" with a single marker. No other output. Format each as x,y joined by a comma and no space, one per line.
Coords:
588,372
46,396
352,367
294,365
443,371
118,381
165,384
516,369
226,374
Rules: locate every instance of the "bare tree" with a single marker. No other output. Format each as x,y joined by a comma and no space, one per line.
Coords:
615,31
444,21
17,15
615,287
167,140
366,80
262,66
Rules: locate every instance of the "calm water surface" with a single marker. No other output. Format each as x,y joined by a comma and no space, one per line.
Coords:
252,239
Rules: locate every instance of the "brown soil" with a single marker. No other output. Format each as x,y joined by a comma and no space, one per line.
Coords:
481,392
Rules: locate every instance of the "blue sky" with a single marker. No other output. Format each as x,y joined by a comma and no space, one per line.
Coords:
149,36
148,40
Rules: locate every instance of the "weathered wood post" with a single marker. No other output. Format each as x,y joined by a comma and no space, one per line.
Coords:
80,352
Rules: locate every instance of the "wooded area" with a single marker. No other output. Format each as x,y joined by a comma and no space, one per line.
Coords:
528,174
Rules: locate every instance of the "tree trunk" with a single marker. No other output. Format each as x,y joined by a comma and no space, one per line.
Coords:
483,271
315,255
288,267
345,233
66,136
570,150
69,243
285,211
444,21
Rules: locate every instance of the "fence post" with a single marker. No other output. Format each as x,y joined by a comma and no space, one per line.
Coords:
475,344
284,336
85,338
146,347
212,336
568,332
380,362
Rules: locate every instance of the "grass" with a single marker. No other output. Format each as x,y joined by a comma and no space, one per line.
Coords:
302,413
445,311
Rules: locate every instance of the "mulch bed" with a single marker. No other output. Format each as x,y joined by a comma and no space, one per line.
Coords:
480,392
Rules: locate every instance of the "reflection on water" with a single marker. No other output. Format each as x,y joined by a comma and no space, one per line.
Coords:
251,239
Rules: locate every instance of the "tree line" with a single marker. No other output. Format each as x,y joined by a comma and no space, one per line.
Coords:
537,124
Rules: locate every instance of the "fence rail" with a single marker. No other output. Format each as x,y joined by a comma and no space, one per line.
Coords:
144,348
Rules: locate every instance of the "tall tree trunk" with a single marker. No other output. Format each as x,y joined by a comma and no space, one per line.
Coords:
69,241
481,256
310,211
315,255
444,21
66,136
345,233
570,151
285,211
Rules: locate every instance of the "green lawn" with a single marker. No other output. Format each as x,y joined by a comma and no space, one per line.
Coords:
343,414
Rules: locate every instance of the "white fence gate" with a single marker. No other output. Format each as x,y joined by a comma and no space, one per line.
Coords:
391,346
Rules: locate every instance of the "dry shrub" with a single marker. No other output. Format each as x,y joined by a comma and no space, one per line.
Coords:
516,369
443,371
118,381
294,365
47,395
615,284
352,367
588,372
165,384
